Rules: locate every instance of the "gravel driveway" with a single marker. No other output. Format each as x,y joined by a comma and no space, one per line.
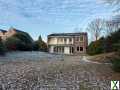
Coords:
43,71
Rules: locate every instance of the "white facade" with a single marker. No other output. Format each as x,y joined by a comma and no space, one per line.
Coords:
51,49
60,40
66,50
53,41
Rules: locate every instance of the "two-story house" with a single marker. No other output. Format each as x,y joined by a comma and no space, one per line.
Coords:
6,34
68,43
2,34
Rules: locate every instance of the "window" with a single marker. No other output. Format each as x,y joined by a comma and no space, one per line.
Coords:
71,49
77,39
61,39
70,39
4,33
81,48
55,49
77,48
65,40
62,49
81,38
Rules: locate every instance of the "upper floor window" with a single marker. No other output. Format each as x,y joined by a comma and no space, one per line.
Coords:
61,39
81,38
70,39
77,39
65,40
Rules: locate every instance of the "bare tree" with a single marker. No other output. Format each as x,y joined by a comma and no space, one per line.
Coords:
113,2
95,28
111,26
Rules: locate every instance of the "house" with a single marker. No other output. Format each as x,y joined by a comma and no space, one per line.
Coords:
68,43
4,34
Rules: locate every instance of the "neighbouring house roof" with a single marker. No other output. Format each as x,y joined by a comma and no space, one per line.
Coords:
67,34
15,29
4,31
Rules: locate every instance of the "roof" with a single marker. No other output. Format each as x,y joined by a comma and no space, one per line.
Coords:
68,34
3,30
15,29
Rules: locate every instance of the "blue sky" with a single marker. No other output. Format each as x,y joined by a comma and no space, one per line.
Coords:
43,17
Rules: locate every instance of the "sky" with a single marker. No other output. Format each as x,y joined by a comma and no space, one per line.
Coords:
43,17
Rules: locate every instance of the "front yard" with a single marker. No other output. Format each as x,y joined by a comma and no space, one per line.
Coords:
43,71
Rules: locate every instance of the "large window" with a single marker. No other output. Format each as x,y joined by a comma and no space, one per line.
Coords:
77,48
71,49
55,49
59,49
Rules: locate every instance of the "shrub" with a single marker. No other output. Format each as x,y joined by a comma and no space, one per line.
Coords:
20,41
96,47
110,43
116,64
23,36
13,43
27,41
40,45
2,48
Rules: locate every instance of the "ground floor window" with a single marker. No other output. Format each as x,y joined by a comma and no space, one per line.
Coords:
55,49
59,49
79,48
71,49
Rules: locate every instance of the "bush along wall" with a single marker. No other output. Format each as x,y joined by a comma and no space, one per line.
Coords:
116,64
109,44
2,48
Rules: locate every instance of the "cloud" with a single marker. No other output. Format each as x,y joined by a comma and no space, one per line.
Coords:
50,9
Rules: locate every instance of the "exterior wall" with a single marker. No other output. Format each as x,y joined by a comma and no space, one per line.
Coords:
51,49
60,40
67,41
80,44
1,33
72,44
52,41
3,36
10,33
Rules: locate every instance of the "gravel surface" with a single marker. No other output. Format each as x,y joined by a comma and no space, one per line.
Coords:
43,71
